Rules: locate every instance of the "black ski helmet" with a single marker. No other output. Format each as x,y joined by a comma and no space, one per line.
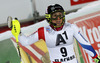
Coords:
54,8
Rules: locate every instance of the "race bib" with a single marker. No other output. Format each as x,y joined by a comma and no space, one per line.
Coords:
63,54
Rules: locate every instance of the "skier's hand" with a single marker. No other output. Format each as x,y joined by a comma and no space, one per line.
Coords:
97,60
46,58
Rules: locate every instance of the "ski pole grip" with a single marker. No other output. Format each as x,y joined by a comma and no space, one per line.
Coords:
15,28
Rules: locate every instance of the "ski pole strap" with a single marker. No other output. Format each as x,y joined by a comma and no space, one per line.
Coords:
41,33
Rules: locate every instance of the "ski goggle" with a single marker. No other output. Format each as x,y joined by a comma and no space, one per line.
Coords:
53,16
56,17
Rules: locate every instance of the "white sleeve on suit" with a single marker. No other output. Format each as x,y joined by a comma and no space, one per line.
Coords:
28,40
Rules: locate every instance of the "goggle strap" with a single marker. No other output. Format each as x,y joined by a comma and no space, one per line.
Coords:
48,15
64,13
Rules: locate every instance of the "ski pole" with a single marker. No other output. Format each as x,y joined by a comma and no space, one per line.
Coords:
15,26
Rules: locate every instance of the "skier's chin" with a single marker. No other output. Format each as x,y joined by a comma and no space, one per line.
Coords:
58,25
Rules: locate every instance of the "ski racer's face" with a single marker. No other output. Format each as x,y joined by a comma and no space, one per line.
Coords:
57,18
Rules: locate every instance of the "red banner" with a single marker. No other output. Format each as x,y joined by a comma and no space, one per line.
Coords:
90,27
76,2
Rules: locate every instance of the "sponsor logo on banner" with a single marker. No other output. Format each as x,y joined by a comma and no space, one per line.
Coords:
90,28
76,2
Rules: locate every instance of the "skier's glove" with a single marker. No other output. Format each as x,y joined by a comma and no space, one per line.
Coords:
97,60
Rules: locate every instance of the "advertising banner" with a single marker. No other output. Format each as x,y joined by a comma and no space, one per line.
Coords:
76,2
34,53
90,28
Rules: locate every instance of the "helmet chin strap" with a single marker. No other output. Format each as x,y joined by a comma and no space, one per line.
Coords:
54,24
